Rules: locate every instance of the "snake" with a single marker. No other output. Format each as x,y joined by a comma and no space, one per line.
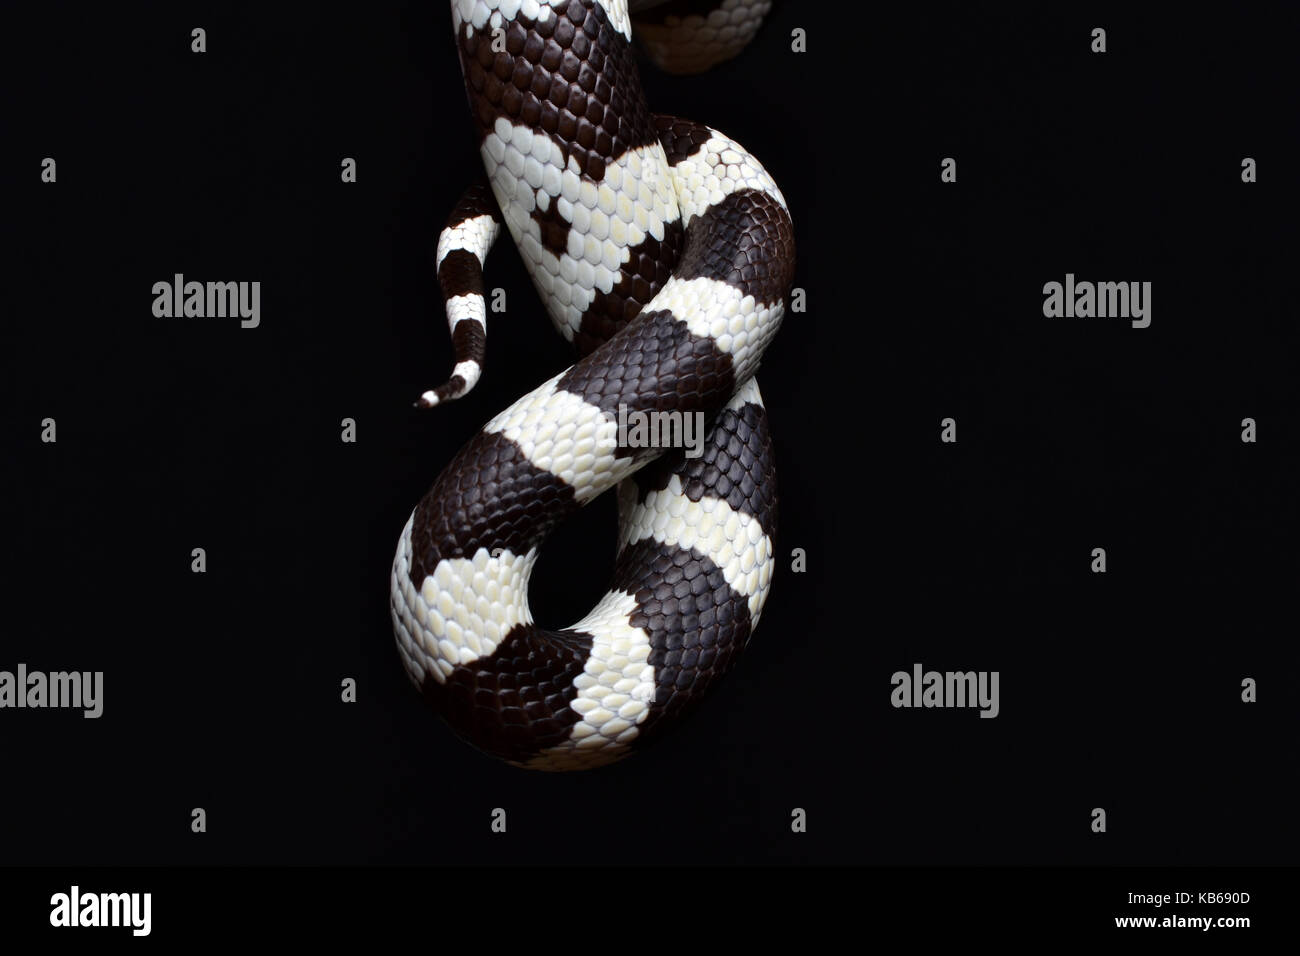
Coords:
663,251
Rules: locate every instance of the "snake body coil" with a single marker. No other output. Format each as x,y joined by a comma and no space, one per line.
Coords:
663,251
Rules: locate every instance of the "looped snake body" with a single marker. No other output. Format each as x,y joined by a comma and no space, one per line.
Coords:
663,251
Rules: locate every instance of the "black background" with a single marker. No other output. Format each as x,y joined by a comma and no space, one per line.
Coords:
222,690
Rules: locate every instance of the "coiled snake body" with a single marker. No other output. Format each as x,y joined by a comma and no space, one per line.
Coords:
663,251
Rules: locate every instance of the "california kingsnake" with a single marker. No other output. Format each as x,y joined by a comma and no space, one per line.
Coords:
663,251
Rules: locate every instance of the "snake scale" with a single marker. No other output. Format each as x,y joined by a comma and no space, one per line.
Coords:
663,252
